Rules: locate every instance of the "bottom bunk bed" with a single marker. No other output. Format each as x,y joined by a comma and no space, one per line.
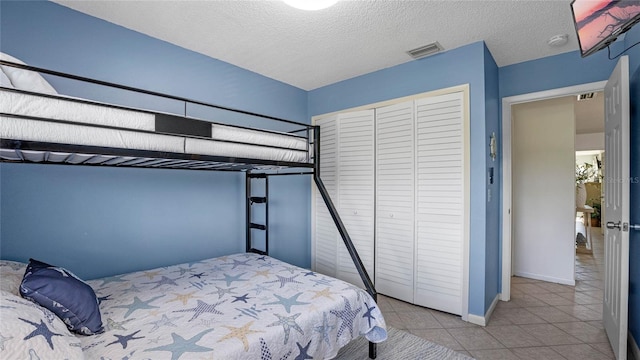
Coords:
242,306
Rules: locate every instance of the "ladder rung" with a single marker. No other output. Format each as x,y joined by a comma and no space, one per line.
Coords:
258,199
258,226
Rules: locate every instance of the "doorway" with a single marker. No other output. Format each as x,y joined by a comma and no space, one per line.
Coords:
543,210
589,194
507,128
589,112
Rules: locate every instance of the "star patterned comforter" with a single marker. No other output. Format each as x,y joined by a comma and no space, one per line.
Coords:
243,306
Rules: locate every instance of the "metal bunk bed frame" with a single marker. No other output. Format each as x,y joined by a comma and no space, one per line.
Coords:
159,159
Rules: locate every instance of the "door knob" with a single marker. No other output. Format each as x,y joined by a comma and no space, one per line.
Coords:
613,225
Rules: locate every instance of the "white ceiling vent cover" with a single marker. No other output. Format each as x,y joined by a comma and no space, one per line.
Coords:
426,50
586,96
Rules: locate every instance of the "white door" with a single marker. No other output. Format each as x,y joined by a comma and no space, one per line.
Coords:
440,202
616,199
395,200
356,191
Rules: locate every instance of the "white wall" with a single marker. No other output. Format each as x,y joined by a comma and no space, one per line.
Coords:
594,141
544,190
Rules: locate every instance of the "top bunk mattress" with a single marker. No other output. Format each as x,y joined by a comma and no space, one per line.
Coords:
55,119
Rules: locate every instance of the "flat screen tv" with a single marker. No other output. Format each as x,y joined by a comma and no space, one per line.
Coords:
599,22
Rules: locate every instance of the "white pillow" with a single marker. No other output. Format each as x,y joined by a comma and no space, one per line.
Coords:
4,80
33,332
23,79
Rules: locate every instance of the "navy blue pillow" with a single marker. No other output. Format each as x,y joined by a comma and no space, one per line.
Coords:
63,293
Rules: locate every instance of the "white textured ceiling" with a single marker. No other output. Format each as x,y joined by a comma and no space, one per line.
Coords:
313,49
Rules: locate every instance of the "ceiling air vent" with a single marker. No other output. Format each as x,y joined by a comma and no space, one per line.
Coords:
426,50
586,96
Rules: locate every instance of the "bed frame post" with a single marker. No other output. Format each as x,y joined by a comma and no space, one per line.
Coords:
248,209
373,348
346,238
350,248
316,150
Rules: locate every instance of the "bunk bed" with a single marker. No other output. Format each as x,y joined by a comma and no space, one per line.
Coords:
240,306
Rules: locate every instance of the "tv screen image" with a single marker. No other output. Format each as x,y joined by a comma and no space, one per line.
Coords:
599,22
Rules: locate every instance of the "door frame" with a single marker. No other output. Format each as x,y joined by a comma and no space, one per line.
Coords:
507,123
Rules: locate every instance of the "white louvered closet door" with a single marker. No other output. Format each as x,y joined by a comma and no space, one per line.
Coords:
325,232
356,181
395,200
440,219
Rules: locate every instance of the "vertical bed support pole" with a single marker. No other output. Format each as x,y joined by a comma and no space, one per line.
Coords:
316,150
373,348
346,238
266,214
248,210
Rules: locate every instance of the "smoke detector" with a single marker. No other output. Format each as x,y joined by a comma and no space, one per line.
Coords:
558,40
310,5
425,51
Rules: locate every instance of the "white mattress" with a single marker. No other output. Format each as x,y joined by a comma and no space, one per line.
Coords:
250,136
62,109
236,142
33,130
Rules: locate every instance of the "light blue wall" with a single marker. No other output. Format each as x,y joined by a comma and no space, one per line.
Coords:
465,65
632,37
98,221
492,119
553,72
108,220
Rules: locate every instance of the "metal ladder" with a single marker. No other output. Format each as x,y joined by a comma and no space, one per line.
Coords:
253,228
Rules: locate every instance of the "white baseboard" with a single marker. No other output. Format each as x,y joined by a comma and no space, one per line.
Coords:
570,282
633,345
483,320
476,319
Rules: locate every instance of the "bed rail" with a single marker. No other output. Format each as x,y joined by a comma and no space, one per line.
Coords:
344,234
191,129
144,91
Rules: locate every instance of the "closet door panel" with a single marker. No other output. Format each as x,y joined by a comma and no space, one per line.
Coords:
325,232
440,202
395,201
356,190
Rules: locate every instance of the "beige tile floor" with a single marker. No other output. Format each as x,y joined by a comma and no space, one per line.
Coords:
542,321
